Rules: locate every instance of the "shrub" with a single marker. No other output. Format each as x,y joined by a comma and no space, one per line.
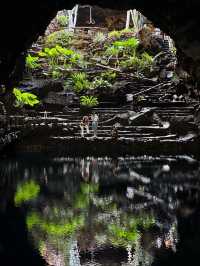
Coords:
62,38
99,82
127,32
112,51
60,55
80,82
146,61
56,74
110,76
24,98
114,34
132,62
128,46
32,62
100,37
62,20
89,101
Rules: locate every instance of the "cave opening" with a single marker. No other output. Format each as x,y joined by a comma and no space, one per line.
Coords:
88,49
99,134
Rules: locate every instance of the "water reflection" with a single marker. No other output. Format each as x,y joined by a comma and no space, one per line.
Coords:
103,211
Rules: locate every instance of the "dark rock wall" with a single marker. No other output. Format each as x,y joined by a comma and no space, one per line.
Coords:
23,21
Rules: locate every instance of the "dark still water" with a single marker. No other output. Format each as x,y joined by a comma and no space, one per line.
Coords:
100,211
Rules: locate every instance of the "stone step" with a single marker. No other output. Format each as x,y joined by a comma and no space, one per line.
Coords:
173,114
99,137
102,134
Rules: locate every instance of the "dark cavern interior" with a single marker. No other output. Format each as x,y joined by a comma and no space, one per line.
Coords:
100,133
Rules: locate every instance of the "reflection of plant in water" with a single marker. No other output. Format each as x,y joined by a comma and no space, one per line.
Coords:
61,221
53,228
123,229
82,199
26,191
126,229
122,236
88,218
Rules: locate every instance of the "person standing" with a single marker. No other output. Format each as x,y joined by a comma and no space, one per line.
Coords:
84,125
95,120
86,122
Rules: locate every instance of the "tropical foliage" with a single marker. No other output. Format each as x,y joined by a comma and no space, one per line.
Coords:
32,62
80,82
89,101
26,191
62,38
62,20
24,98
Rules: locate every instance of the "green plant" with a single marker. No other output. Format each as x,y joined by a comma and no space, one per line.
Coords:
62,20
32,62
56,74
54,228
80,82
62,38
127,31
99,82
59,55
133,62
110,76
27,191
123,236
146,62
112,52
114,34
89,101
24,98
128,47
100,37
52,54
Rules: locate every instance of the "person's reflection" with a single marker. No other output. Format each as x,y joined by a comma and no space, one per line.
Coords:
85,169
45,175
90,170
115,166
95,171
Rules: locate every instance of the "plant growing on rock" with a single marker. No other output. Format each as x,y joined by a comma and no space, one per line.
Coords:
51,54
112,52
56,74
60,56
146,61
133,63
62,38
114,34
89,101
80,82
110,76
32,63
62,20
99,82
99,38
24,98
128,47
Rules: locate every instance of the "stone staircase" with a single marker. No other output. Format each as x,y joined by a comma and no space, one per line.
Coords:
151,130
128,131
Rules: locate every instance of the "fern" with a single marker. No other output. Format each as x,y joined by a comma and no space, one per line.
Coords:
80,82
89,101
